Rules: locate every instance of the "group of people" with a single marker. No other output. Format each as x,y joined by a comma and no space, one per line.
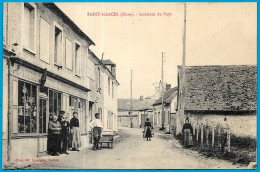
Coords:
63,133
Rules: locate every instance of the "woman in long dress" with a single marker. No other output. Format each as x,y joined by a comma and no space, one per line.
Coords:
54,136
187,132
147,129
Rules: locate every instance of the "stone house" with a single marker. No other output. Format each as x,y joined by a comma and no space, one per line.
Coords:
168,119
213,93
44,71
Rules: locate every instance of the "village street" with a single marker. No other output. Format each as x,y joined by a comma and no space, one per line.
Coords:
131,151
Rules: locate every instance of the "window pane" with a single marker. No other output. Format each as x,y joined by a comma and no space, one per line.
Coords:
59,103
33,111
21,109
41,116
44,117
55,102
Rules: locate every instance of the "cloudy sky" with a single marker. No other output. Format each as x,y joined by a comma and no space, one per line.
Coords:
217,34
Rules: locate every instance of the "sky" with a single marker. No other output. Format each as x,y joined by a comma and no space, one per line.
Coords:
216,34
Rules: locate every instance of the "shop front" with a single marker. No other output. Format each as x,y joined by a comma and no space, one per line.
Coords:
34,104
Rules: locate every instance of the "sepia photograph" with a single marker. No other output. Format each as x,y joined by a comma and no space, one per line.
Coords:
129,86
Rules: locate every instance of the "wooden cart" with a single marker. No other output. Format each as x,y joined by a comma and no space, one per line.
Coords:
108,139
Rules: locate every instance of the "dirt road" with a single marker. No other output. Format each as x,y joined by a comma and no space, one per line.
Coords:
131,151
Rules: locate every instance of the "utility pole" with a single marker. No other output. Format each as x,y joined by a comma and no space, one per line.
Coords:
183,67
131,108
162,93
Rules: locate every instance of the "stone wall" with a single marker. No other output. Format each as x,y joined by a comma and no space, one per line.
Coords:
240,125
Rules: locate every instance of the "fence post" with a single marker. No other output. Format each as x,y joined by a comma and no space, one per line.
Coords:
213,137
228,139
207,136
201,140
197,132
219,137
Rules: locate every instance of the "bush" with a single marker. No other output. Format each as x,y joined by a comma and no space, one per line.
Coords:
243,142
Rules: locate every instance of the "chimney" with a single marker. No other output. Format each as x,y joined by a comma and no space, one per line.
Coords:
141,98
168,86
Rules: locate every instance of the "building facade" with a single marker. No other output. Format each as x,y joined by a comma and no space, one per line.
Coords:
44,72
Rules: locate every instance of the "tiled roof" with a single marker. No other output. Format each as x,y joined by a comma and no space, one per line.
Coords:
137,104
225,88
167,97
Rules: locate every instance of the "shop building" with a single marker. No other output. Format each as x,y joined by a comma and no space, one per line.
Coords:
45,54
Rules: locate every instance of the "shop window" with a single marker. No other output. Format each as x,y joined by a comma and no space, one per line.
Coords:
27,112
58,45
29,26
43,116
77,59
54,102
44,41
68,54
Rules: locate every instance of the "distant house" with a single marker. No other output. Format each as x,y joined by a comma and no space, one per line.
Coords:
141,109
168,119
213,93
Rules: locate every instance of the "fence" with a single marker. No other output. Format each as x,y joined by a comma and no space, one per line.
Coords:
212,137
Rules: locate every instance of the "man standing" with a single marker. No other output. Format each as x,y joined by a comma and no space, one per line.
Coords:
64,132
75,131
97,126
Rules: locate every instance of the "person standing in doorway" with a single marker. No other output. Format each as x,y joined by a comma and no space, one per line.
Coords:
75,131
97,127
64,132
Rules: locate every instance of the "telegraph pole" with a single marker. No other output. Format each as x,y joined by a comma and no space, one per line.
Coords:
183,67
131,108
162,93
